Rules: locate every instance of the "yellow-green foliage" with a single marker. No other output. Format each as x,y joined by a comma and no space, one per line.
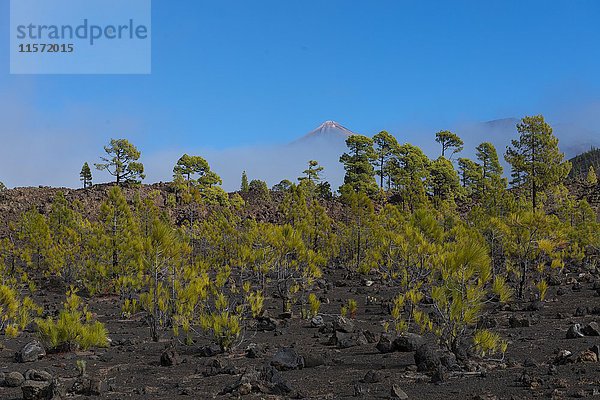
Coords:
314,304
256,302
487,342
73,329
352,307
15,313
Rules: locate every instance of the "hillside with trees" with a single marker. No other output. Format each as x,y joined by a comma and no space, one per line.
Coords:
426,269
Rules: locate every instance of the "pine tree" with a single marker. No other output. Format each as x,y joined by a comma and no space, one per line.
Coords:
245,187
190,166
449,140
360,175
313,173
86,175
408,172
385,145
122,162
536,161
471,174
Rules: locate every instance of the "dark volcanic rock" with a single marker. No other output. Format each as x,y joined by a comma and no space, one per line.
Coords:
13,379
373,376
427,359
591,329
408,342
210,351
343,324
266,324
398,393
385,344
169,357
574,332
286,359
31,352
346,340
312,360
267,381
37,390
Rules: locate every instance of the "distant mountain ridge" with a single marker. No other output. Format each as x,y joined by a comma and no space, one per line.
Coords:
328,130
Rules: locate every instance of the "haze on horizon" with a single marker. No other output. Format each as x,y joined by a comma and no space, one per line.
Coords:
235,81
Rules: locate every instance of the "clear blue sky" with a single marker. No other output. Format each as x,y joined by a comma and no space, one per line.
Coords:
235,73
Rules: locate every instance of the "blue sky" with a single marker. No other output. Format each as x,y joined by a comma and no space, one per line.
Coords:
245,73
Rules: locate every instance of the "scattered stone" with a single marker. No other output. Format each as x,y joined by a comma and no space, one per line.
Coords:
346,340
370,336
326,328
426,359
217,368
266,324
574,332
37,390
312,360
385,344
591,329
210,351
563,357
408,342
31,352
587,356
169,357
255,350
14,379
89,386
369,283
35,375
398,393
287,359
373,376
343,324
317,321
267,381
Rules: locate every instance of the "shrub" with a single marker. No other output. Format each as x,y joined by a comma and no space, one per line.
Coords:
73,329
314,304
15,313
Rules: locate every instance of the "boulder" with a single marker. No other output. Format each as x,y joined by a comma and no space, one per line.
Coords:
398,393
169,357
574,332
343,324
13,379
287,359
37,390
591,329
408,342
317,321
31,352
427,359
266,324
385,344
345,340
40,376
587,356
373,376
